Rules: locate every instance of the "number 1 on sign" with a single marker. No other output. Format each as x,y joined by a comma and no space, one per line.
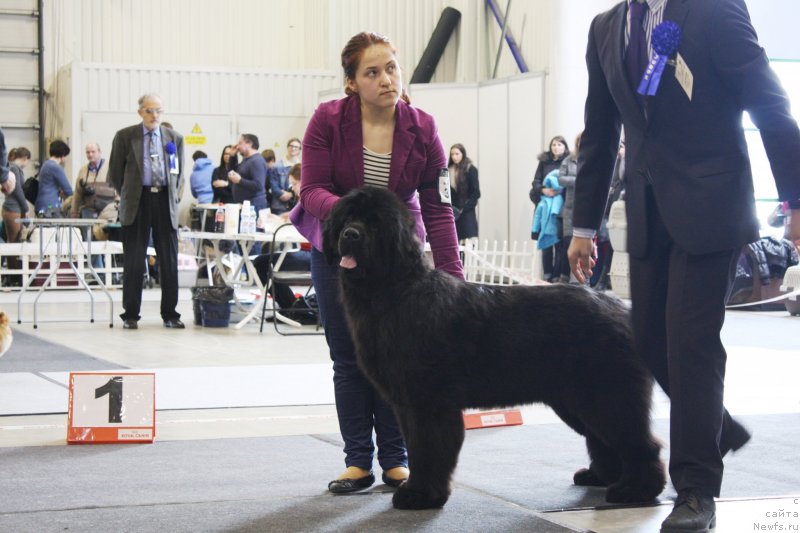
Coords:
113,388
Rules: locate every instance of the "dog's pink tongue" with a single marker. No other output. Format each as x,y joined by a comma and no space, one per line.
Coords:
348,262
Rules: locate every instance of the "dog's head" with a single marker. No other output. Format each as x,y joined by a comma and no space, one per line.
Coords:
372,235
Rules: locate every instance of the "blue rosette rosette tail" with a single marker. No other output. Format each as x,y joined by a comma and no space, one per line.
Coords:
665,39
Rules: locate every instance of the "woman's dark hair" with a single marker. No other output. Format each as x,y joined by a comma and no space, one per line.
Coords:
547,155
463,166
233,163
354,49
59,148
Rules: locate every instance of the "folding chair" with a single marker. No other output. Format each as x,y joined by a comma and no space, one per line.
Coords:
292,278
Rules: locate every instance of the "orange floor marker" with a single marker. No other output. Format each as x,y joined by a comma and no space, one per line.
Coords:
490,419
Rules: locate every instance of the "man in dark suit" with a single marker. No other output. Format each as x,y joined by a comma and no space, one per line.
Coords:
146,168
690,206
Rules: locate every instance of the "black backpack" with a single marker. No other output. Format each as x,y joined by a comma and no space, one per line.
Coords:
31,189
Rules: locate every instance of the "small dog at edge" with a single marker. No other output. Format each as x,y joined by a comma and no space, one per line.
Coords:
6,336
434,345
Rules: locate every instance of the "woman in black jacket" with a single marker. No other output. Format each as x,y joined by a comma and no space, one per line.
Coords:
465,191
223,193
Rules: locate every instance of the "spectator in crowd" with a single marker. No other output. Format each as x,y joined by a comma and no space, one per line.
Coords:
146,168
249,179
465,191
200,179
566,179
342,136
282,168
15,206
269,159
223,191
93,191
279,184
299,259
7,179
53,183
549,161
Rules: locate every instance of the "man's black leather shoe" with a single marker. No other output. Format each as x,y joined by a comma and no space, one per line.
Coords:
130,324
174,323
342,486
694,512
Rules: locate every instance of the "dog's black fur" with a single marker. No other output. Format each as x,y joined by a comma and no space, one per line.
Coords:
434,345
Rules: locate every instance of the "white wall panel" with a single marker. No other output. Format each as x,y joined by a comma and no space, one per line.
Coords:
455,108
525,126
493,113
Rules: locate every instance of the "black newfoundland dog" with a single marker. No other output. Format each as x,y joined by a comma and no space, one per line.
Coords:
434,345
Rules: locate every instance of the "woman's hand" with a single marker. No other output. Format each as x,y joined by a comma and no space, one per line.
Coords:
219,183
550,192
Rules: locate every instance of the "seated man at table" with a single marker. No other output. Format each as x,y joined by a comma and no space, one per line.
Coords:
296,260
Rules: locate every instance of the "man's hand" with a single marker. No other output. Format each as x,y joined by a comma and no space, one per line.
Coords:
285,196
234,176
794,228
581,256
9,184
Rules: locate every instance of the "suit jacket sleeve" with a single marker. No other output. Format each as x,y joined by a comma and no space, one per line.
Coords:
599,142
743,64
116,161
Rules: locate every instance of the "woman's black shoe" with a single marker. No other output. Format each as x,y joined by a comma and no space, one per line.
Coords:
342,486
392,482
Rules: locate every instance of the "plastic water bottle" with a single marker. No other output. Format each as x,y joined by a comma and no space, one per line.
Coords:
219,220
253,219
244,219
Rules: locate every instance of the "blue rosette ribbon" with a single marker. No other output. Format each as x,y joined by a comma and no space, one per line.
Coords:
172,150
666,38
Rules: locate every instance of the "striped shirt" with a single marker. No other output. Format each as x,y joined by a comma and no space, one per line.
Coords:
376,168
652,18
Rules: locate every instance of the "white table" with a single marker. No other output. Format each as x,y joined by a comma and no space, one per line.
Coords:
67,252
246,241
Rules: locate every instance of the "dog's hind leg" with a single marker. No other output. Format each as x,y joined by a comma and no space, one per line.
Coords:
641,475
604,467
433,438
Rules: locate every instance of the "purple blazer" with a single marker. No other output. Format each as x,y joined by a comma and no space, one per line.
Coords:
333,164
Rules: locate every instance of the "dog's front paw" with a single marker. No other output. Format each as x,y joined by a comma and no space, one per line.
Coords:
406,497
586,477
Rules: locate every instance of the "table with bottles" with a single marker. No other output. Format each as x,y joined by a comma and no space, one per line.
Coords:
246,241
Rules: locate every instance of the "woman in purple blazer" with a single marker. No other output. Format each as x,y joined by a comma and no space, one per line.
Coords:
371,137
